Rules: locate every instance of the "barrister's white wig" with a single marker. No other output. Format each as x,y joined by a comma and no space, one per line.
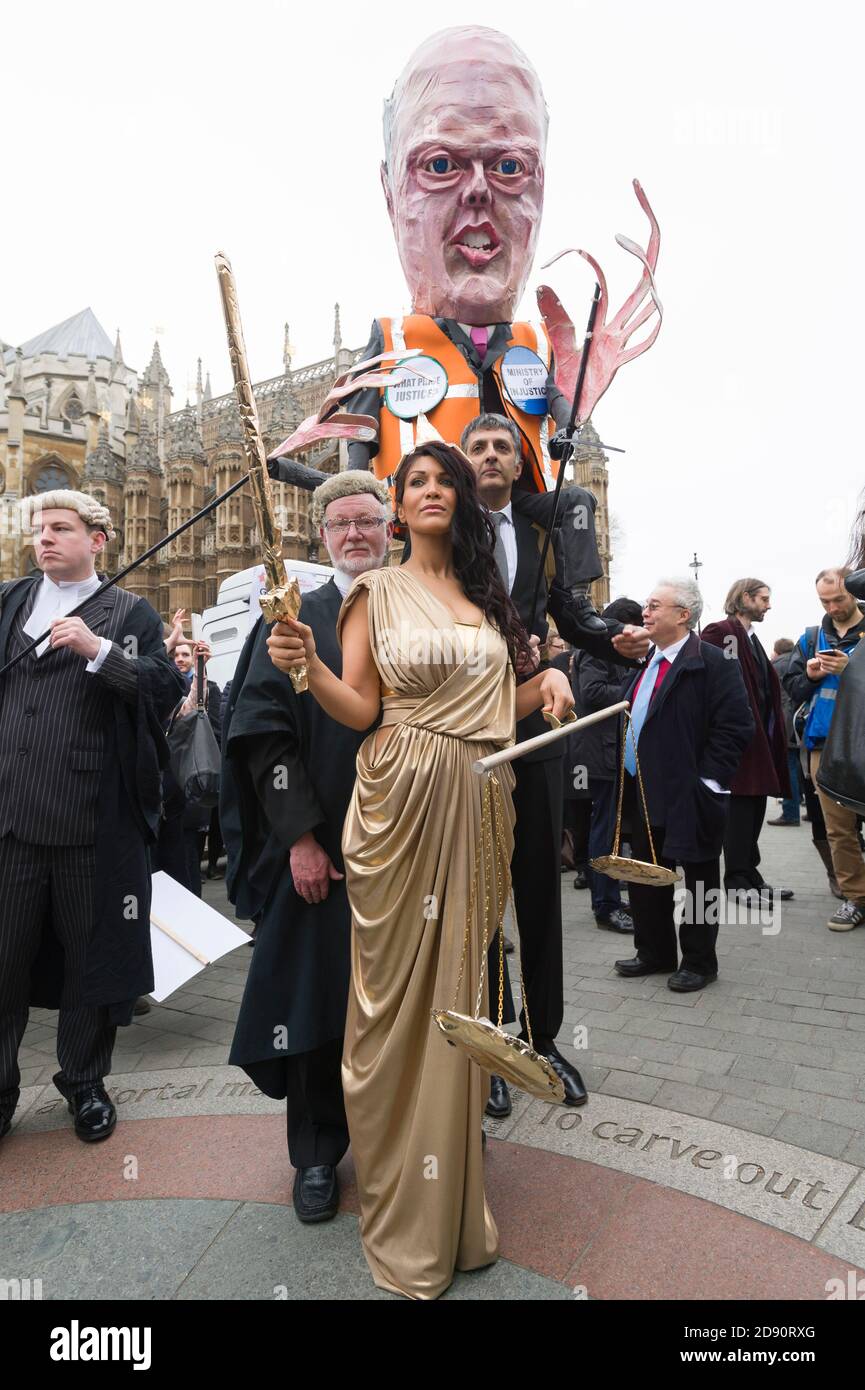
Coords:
92,513
351,483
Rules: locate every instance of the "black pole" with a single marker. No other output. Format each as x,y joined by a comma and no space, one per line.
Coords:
199,679
562,443
121,574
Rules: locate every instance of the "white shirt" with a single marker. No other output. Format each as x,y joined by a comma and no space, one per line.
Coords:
671,653
509,541
55,600
343,581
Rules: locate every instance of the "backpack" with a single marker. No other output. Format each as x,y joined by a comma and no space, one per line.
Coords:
800,716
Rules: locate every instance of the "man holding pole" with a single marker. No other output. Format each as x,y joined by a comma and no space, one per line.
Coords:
492,445
81,750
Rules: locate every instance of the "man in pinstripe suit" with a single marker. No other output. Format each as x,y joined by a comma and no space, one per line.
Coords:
81,750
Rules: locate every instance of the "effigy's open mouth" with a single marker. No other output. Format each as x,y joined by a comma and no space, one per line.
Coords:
477,242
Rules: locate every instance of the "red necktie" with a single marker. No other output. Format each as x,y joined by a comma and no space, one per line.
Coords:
663,668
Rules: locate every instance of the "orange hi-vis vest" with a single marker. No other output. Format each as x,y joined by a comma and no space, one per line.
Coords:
462,401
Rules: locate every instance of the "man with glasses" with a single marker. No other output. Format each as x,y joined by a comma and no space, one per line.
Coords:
288,774
690,722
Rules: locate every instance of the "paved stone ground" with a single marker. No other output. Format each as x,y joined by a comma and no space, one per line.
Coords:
776,1046
768,1064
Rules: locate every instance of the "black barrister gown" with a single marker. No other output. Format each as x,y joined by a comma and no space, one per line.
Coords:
297,990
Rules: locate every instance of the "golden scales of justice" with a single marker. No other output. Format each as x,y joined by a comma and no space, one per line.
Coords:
485,1042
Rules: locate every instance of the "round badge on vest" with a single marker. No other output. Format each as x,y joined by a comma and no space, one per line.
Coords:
415,394
524,377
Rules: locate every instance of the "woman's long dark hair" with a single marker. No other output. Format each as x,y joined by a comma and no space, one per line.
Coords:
473,537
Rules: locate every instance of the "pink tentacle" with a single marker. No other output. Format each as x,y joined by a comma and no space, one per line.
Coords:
644,314
639,348
649,261
655,234
601,278
340,426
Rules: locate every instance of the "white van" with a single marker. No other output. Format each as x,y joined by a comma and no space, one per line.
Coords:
226,625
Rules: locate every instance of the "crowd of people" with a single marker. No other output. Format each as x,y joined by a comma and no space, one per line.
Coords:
352,816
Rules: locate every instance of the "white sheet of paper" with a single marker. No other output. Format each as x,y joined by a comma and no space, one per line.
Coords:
193,920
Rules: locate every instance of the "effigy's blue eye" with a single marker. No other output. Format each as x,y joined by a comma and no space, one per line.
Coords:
508,166
440,165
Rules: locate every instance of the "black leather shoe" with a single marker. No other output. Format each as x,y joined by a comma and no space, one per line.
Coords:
586,615
95,1116
5,1125
316,1193
142,1006
781,820
580,879
617,920
575,1091
499,1104
684,981
739,885
631,968
768,892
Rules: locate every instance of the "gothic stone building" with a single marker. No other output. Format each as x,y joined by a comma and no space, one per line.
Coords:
74,414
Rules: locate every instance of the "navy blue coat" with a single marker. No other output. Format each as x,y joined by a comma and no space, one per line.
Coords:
698,725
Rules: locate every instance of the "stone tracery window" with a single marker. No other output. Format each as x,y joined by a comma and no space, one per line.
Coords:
50,477
73,409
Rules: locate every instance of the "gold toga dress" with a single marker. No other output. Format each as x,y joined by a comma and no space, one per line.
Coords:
415,1104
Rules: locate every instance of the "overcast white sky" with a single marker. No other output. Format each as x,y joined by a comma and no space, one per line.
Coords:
141,139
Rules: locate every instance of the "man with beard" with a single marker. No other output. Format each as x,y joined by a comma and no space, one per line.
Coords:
288,774
762,771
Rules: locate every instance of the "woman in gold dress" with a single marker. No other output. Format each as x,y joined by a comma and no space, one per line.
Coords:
433,644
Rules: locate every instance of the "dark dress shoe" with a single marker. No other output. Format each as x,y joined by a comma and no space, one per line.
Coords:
575,1091
316,1193
499,1104
5,1125
586,615
634,967
780,820
581,880
769,892
509,946
739,885
617,920
95,1116
142,1006
684,981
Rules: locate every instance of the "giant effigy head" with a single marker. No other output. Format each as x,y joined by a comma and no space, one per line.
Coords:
465,133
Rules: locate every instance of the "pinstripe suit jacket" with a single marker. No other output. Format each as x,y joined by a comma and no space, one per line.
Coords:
121,754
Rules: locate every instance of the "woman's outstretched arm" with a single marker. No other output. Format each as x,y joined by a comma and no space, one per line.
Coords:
549,690
356,699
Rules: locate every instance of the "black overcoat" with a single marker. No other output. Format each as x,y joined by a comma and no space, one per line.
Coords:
697,726
297,989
